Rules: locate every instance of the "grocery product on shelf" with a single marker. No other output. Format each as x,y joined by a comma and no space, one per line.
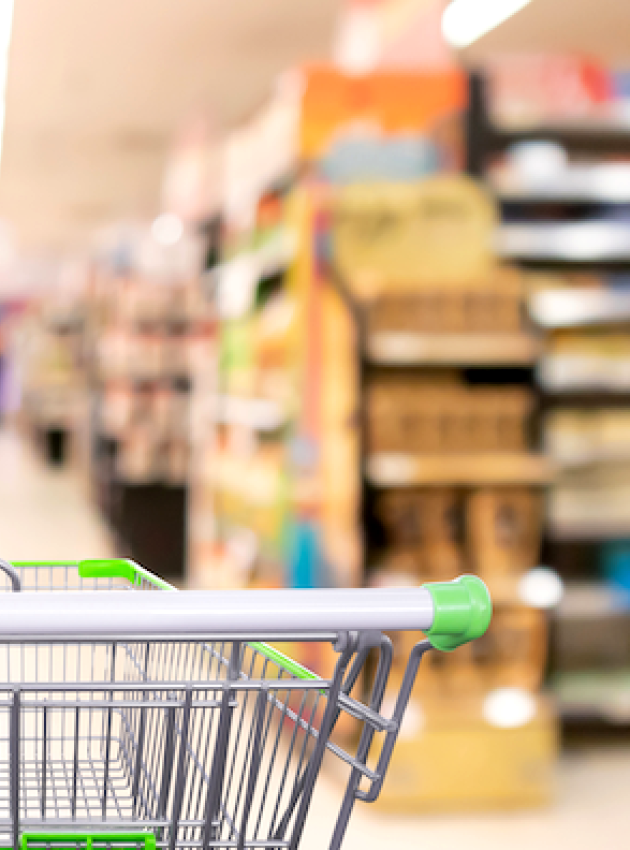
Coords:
556,156
383,381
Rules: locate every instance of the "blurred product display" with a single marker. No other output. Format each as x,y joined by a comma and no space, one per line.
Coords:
51,352
153,331
108,367
557,157
386,342
372,416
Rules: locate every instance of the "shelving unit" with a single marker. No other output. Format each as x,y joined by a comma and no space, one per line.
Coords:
408,349
153,332
576,242
577,222
293,483
400,470
246,403
448,506
568,308
576,184
594,134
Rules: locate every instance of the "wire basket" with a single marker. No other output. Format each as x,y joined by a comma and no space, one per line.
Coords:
142,720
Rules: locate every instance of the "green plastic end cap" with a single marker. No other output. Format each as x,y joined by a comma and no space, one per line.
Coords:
108,568
462,612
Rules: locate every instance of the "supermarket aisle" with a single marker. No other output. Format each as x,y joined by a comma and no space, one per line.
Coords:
43,511
44,514
591,811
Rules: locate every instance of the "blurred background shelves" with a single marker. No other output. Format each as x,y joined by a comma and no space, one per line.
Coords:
561,308
606,373
377,334
399,470
408,349
588,529
259,414
581,184
588,601
592,133
574,242
594,696
560,174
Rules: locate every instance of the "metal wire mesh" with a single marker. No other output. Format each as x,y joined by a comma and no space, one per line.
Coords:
207,744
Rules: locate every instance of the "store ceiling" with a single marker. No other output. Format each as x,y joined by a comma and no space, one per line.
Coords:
591,28
96,89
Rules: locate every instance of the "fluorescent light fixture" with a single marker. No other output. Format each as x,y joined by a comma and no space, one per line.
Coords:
464,21
6,24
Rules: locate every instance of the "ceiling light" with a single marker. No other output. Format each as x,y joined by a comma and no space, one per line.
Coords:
358,43
167,229
464,21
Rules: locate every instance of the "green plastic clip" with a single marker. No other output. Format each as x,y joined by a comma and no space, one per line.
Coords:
74,840
462,612
120,568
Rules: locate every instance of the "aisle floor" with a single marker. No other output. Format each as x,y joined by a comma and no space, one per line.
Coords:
44,514
44,511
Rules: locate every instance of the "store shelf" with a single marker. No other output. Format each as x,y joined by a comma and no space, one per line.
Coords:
563,374
598,184
615,529
589,241
275,256
582,457
409,349
588,601
256,413
237,279
603,133
593,695
399,470
565,308
147,376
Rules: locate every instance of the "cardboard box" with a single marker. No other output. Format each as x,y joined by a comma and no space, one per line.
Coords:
503,528
435,231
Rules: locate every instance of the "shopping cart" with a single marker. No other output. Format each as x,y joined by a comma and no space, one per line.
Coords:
144,720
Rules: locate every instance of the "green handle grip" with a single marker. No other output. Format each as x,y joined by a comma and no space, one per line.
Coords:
462,612
120,568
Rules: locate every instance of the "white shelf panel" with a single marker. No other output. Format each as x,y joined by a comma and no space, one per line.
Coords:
565,308
590,241
394,470
409,349
256,413
599,183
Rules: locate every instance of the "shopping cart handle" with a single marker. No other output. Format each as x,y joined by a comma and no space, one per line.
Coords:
449,614
462,610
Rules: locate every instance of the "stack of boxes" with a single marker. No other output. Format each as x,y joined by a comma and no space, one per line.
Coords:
453,484
442,416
